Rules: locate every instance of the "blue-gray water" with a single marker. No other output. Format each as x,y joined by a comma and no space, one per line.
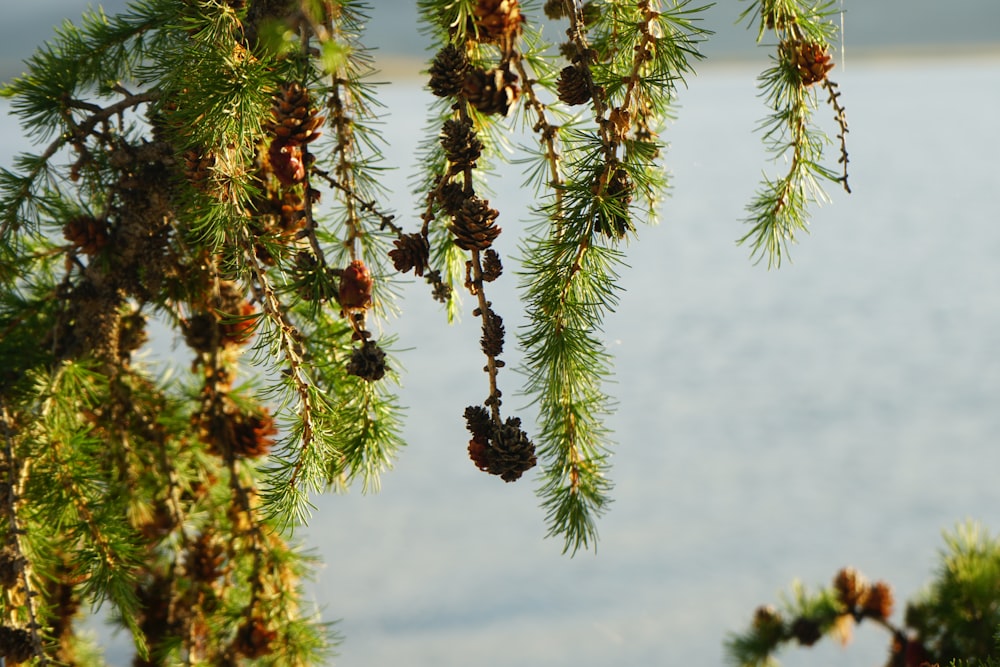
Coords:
772,424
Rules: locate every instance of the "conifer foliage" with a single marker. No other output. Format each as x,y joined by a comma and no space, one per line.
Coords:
211,166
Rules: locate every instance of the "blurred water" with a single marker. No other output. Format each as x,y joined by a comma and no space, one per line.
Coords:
772,424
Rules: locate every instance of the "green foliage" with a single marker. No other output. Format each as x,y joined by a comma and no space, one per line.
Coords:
214,166
954,621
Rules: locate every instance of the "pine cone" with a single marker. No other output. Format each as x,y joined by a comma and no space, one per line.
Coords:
493,333
87,233
451,197
511,453
448,71
498,20
878,603
811,60
492,268
295,120
291,212
768,625
478,421
852,589
16,645
806,631
460,143
11,564
614,221
254,638
355,287
491,92
198,169
204,559
412,252
555,9
287,164
473,226
367,362
253,435
574,85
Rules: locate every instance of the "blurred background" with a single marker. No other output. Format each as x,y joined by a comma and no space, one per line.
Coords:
771,424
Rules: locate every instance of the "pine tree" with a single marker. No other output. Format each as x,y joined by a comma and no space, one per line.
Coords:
212,165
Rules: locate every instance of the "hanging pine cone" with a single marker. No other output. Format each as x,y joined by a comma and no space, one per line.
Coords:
613,219
292,212
492,267
355,292
451,197
511,453
287,164
811,60
460,143
478,421
806,631
851,587
473,226
16,645
878,603
204,559
295,119
412,252
555,9
199,170
448,71
87,234
493,333
367,362
498,20
11,564
492,92
574,85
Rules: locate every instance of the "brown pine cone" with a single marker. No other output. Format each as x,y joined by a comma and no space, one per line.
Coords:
412,252
574,85
355,287
493,333
511,453
367,362
198,169
87,233
478,421
295,119
286,162
498,20
451,197
806,631
812,61
555,9
852,588
16,645
492,267
253,435
448,71
204,559
878,603
492,92
473,225
292,212
460,143
614,220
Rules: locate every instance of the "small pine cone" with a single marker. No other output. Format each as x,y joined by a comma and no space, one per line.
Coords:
367,362
253,435
574,85
412,252
812,60
237,328
473,226
292,212
16,645
768,625
460,143
87,233
591,12
555,9
492,92
355,292
448,71
199,169
614,222
498,20
852,589
478,421
511,452
254,639
493,332
286,162
492,267
11,564
451,197
806,631
879,601
295,120
201,332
